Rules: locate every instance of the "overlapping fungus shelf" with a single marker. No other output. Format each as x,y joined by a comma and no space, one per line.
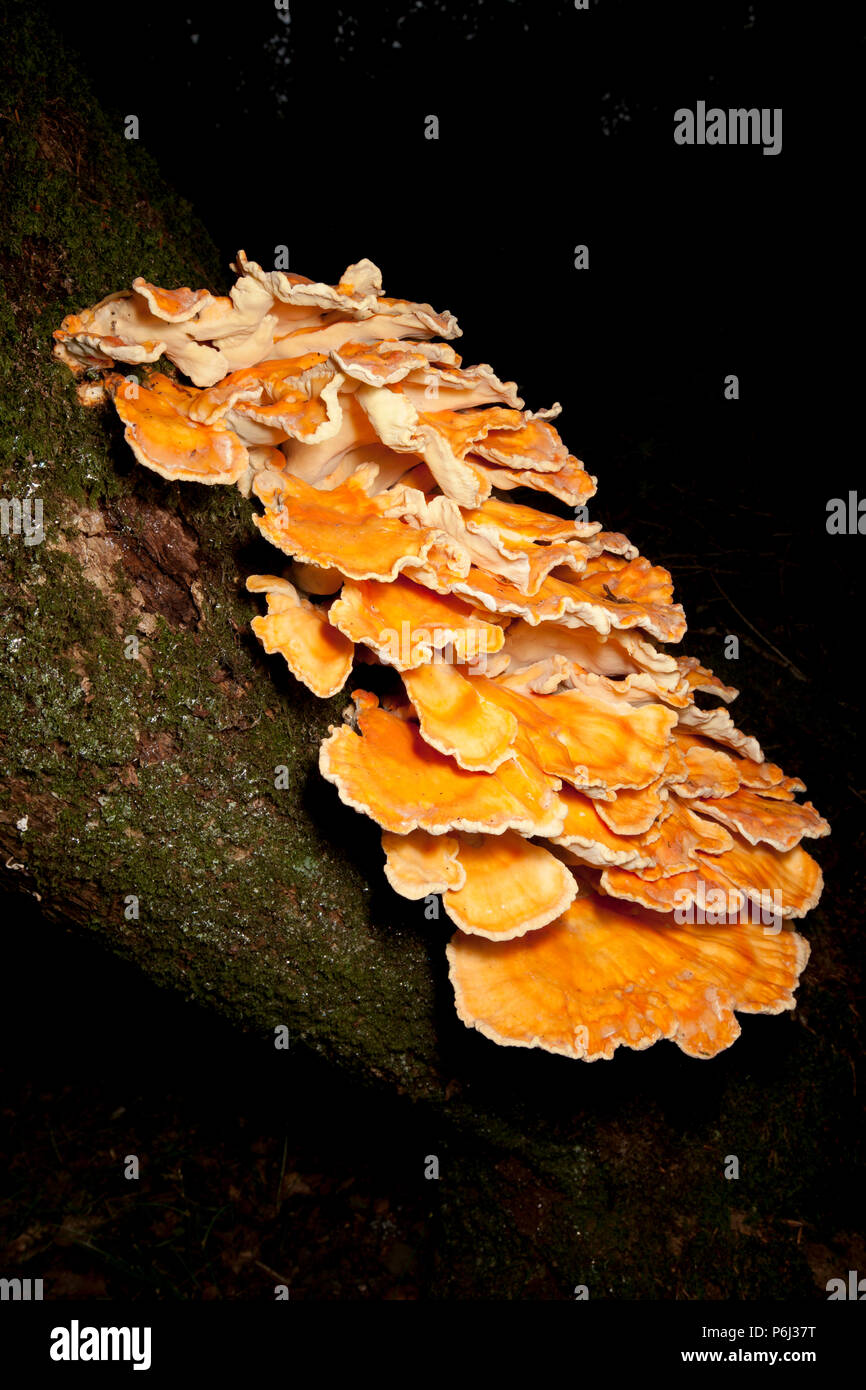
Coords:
621,864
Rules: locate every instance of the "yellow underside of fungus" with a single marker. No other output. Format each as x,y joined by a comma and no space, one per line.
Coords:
621,863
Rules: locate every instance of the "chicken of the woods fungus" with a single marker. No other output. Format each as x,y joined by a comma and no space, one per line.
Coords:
620,862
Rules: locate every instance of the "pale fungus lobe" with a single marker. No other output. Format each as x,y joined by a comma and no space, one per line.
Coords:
620,862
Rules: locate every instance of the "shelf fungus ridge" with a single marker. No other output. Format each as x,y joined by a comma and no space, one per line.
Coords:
620,862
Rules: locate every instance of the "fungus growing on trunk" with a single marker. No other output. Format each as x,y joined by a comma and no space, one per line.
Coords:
622,864
316,653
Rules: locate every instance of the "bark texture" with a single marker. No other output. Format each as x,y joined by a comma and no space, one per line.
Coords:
153,776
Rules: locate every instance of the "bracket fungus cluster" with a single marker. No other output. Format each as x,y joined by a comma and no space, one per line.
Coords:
621,862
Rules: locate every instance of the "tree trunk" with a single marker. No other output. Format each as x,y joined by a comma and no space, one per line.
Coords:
142,729
142,733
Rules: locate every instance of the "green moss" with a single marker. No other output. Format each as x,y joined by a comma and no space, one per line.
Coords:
162,778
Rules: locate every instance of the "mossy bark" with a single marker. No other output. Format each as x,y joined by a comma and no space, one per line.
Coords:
154,776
